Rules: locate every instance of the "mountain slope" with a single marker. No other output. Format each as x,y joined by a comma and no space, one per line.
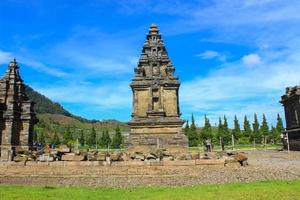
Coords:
53,118
44,105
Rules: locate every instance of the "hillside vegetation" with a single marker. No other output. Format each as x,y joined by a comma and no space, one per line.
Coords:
56,123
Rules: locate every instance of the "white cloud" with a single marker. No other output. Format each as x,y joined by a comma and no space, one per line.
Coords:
251,59
5,57
90,51
234,89
42,67
209,54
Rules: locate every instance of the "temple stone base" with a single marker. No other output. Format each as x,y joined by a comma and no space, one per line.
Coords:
150,137
150,143
294,139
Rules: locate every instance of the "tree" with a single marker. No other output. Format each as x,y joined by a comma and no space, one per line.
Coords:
81,139
192,134
220,132
55,139
186,128
226,132
255,137
206,132
247,128
273,134
236,132
279,128
68,136
102,140
117,139
92,137
264,128
107,139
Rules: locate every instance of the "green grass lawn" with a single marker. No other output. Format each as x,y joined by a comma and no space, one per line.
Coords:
257,190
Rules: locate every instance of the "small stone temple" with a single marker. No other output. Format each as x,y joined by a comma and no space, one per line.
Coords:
156,122
291,103
16,113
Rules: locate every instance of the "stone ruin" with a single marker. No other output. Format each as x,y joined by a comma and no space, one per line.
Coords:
17,116
291,103
155,122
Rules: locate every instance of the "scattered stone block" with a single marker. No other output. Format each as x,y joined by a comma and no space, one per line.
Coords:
139,156
151,156
101,156
195,156
64,149
91,156
124,157
21,158
167,158
241,158
115,156
45,158
183,156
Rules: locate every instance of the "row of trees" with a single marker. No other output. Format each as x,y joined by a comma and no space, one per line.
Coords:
90,140
256,133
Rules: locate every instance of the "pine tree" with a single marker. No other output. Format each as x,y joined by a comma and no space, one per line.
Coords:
220,132
92,137
255,137
107,139
192,135
279,128
264,128
186,128
117,139
247,128
273,134
206,132
236,132
81,139
226,132
68,136
102,140
55,139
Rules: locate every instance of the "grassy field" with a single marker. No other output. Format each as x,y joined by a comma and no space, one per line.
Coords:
257,190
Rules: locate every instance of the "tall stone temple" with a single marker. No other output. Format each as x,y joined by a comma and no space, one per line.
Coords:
291,103
155,122
16,113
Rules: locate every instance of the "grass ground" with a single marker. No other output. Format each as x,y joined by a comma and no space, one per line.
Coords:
274,190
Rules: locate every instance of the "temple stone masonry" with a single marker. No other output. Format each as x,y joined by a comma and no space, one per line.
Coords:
16,114
156,122
291,103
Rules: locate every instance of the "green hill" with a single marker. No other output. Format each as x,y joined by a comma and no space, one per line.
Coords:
53,118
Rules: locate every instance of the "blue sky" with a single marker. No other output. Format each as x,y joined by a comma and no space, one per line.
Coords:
232,56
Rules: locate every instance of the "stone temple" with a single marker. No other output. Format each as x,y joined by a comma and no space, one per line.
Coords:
16,113
291,103
156,122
